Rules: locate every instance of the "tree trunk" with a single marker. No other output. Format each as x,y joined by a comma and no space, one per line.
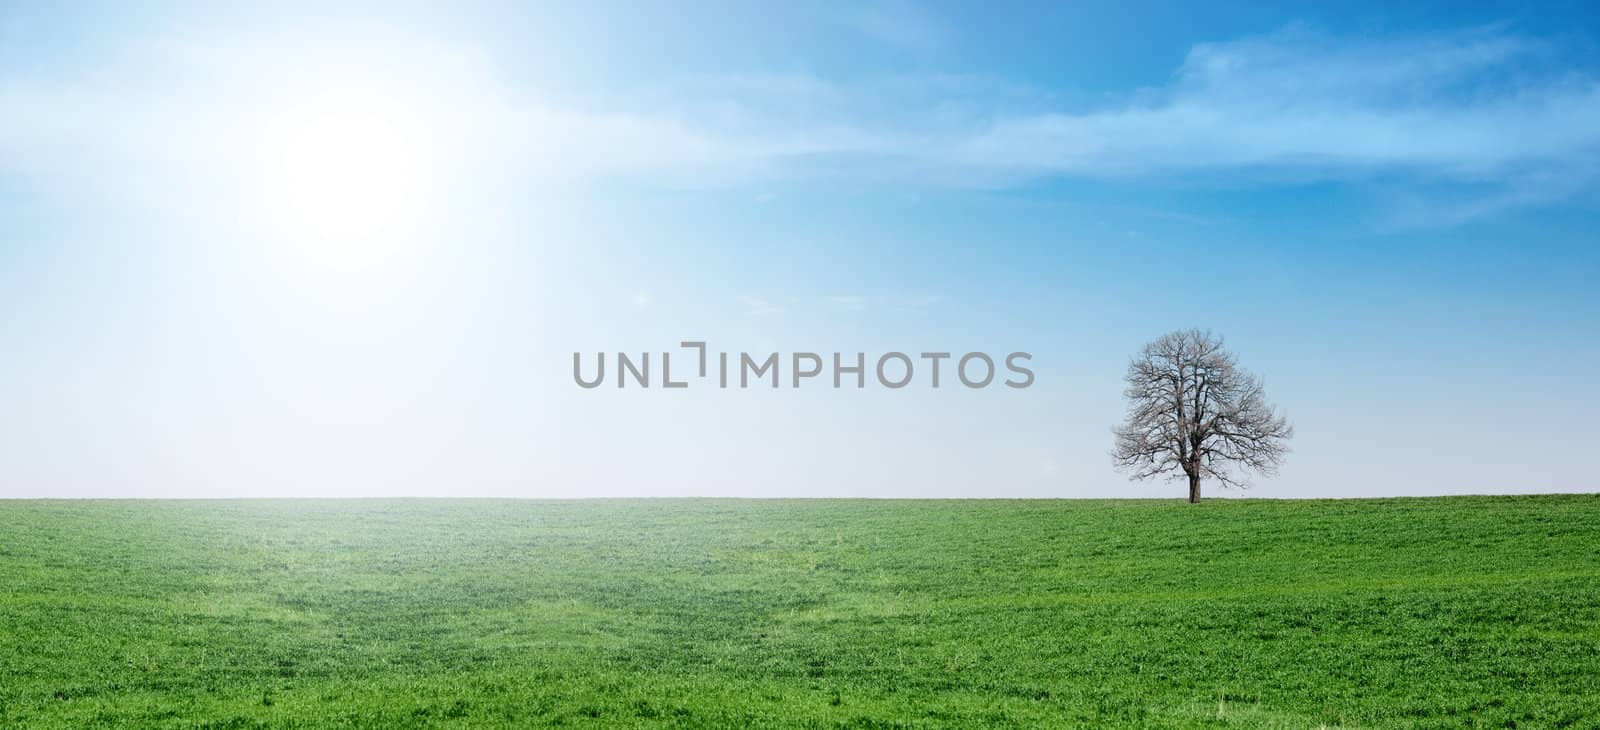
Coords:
1194,488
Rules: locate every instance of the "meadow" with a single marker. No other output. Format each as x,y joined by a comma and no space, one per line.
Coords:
1399,613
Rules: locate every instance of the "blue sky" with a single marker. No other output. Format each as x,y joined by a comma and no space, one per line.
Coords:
302,251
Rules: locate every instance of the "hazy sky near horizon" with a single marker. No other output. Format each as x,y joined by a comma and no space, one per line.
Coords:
295,251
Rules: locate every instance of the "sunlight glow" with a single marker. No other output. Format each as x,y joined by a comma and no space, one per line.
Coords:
348,179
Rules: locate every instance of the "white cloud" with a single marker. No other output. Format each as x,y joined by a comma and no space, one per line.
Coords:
1453,105
898,24
1482,107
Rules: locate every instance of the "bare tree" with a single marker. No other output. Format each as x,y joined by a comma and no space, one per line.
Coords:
1193,411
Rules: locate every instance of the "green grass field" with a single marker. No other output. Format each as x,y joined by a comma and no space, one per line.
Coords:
1411,613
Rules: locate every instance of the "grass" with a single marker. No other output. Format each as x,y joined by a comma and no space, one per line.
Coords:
1406,613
